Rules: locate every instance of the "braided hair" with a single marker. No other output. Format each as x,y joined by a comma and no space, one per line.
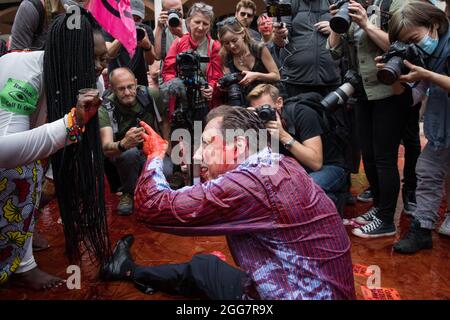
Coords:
78,168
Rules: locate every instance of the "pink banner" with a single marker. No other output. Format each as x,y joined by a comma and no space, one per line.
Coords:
115,17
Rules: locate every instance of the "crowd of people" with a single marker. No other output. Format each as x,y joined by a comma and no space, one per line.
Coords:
75,108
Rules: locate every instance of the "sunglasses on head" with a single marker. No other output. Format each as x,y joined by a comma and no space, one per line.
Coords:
227,21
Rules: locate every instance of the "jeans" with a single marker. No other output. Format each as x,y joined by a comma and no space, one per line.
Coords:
129,165
380,126
332,179
432,169
411,143
204,276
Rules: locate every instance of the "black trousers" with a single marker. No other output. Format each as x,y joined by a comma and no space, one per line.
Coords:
204,276
291,90
380,124
411,143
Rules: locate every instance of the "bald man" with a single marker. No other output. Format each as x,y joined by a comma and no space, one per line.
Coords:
164,33
120,134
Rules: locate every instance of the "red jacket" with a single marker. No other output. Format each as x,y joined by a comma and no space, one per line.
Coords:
213,69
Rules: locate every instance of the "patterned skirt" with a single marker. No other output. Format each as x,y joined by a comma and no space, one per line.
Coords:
20,189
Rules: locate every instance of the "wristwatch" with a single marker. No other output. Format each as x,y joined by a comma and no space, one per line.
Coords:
289,144
121,148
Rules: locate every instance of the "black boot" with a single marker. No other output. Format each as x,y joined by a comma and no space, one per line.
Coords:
416,239
121,265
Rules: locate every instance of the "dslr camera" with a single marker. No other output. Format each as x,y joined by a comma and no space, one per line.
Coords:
140,32
266,113
230,82
393,61
188,68
338,98
174,17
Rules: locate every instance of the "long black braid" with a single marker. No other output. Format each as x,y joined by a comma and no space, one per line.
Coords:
78,168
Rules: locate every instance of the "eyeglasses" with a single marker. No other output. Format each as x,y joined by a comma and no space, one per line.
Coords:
202,6
246,14
227,21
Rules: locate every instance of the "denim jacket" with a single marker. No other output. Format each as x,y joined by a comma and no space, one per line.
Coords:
437,114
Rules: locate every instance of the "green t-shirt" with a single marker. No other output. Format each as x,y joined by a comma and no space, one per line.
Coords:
127,117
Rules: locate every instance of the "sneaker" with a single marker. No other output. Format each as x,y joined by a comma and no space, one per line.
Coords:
125,207
416,239
445,226
367,217
365,196
409,202
375,229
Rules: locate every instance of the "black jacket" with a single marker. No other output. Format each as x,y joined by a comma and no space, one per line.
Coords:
306,60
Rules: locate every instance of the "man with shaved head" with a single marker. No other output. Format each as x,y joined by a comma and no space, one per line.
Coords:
120,132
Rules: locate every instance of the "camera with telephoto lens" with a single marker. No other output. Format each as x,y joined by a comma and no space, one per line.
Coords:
341,21
230,79
266,113
278,9
393,61
352,84
140,32
174,18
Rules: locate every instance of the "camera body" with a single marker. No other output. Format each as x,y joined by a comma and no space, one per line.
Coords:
188,68
174,17
352,84
230,82
393,60
230,79
266,113
278,9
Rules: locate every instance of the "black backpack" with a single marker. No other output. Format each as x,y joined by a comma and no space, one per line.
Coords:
336,125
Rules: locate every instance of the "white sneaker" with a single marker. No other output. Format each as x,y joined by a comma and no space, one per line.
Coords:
367,217
375,229
445,226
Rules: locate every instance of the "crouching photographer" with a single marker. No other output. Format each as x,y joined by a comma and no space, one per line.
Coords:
380,112
303,134
198,42
427,29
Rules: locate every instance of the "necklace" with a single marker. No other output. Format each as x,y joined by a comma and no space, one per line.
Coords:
241,58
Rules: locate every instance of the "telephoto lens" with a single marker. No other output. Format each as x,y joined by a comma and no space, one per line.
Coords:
338,97
391,71
341,21
140,33
173,18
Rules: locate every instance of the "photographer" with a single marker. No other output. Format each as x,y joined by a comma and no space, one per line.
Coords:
300,48
167,31
379,116
245,13
145,52
249,60
428,27
199,19
304,136
121,134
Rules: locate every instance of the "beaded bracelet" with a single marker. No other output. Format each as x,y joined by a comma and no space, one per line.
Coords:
74,132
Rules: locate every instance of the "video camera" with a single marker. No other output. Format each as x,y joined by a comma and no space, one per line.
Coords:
393,60
188,69
278,9
352,83
266,113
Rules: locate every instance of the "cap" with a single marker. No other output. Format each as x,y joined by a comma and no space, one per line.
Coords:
138,8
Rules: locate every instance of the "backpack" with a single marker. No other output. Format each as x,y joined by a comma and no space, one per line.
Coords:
336,125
